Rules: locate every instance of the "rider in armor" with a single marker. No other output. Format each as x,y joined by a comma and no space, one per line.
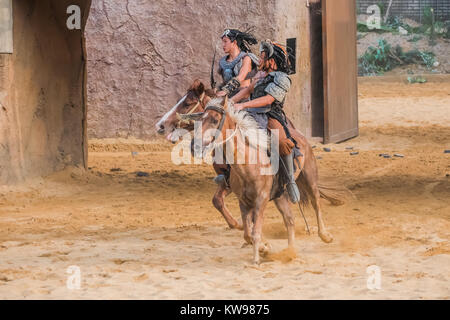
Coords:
267,93
235,68
238,62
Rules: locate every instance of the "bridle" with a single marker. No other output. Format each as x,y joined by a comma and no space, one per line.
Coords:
191,111
223,112
199,102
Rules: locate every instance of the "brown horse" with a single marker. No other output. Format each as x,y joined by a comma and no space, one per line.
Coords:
194,103
252,188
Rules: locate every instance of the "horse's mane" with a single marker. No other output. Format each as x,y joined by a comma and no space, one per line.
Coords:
245,122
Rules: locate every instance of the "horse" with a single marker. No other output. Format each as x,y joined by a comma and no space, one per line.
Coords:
246,181
192,105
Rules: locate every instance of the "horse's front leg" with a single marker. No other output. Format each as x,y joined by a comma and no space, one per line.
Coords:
246,222
219,198
258,218
219,203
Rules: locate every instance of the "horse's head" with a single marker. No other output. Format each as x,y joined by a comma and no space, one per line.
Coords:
192,104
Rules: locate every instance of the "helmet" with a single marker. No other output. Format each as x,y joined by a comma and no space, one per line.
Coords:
278,53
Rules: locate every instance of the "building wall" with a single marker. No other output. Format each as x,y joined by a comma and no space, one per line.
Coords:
292,21
143,55
42,108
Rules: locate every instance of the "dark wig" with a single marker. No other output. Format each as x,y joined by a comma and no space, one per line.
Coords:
244,40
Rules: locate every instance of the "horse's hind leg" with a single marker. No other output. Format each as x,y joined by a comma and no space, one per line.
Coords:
219,204
308,180
283,205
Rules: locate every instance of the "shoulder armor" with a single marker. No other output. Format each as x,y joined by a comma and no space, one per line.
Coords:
282,80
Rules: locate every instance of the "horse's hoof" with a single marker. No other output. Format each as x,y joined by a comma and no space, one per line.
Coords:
326,237
245,245
264,251
256,263
236,226
265,248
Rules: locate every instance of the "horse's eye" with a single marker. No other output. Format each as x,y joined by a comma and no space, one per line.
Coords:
214,121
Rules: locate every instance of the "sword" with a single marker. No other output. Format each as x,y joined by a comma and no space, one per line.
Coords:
213,82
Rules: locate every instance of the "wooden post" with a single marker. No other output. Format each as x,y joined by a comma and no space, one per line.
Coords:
386,16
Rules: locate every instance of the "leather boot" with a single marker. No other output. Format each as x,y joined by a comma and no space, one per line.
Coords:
221,180
292,188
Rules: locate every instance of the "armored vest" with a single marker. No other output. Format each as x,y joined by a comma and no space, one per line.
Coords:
276,84
231,69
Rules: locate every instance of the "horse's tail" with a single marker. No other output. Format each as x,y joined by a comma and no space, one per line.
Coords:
333,192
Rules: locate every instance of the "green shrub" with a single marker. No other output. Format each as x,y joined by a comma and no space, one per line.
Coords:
377,60
416,79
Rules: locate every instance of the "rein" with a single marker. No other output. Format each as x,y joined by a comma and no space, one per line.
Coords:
200,101
223,112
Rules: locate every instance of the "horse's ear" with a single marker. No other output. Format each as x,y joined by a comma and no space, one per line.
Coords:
225,102
198,87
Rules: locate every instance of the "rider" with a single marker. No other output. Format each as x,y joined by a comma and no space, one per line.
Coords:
238,62
234,69
267,95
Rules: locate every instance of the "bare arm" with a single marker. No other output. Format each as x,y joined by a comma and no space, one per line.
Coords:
243,94
243,73
256,103
245,69
247,91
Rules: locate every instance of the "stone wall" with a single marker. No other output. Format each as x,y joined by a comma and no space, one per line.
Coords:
143,55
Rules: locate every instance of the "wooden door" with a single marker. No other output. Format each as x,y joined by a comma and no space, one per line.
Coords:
340,70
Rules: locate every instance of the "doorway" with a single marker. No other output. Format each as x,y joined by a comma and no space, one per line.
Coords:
317,125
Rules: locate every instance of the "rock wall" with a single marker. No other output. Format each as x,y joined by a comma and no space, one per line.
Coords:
142,55
42,107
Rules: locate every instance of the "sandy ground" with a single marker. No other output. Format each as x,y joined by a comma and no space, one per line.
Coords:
159,237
